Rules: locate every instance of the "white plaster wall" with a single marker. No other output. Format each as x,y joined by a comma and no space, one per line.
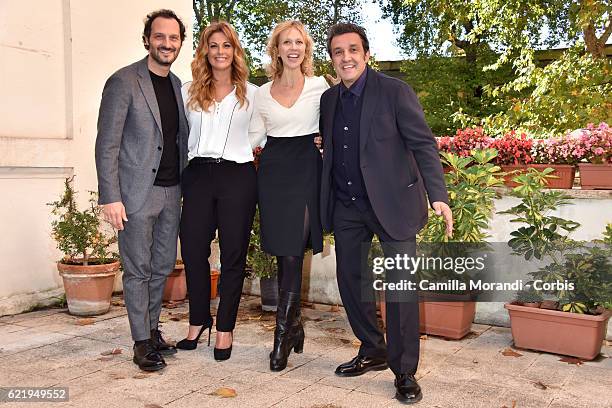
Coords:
55,63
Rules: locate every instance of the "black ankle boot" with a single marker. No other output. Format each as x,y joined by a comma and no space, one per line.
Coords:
289,333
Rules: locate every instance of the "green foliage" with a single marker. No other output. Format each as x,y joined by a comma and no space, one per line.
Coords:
542,230
564,95
261,264
587,267
80,234
470,185
255,19
528,295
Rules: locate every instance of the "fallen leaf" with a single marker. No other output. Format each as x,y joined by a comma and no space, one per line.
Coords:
511,353
116,376
152,406
105,358
112,352
118,302
269,327
540,385
177,317
254,317
171,305
140,376
224,392
163,319
572,360
335,330
513,405
356,343
84,322
475,361
334,308
423,337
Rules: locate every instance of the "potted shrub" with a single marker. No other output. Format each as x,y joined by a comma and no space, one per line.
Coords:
580,275
529,297
470,185
263,266
514,154
88,267
596,146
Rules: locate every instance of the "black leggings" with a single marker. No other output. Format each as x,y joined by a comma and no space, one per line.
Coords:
290,267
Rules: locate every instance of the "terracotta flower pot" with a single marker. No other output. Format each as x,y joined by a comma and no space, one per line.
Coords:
595,176
214,280
565,173
176,285
88,288
451,316
558,332
520,168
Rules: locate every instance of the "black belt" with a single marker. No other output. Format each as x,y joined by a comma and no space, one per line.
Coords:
207,160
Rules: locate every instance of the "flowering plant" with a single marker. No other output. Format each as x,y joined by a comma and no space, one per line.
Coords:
595,143
464,141
557,150
513,149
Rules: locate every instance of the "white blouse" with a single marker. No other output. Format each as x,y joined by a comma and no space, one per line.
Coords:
270,118
223,131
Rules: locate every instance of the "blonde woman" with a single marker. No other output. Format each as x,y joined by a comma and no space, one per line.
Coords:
286,117
219,184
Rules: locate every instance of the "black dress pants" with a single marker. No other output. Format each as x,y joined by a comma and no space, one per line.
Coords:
353,231
216,196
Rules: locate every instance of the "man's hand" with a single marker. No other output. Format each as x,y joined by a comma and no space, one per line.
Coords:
441,208
115,214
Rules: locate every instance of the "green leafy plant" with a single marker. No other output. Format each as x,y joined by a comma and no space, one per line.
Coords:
585,266
80,234
541,229
261,264
529,295
471,192
471,186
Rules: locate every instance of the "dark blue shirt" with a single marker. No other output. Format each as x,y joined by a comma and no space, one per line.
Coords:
348,182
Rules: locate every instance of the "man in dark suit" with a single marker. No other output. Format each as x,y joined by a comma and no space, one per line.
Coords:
379,161
141,149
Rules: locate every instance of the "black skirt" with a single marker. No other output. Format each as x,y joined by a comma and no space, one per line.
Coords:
289,183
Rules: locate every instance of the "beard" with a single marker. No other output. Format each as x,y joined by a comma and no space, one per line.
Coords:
163,59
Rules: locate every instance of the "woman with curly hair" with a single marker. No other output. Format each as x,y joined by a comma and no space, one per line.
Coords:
219,184
286,115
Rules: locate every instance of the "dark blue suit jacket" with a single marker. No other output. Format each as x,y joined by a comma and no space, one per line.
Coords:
398,156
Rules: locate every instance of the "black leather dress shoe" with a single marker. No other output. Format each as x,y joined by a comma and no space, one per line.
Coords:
407,389
160,344
361,365
147,358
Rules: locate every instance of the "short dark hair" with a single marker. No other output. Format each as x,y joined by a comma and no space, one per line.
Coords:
346,28
164,13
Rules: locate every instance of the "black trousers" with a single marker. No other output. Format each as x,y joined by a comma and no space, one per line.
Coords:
216,195
353,231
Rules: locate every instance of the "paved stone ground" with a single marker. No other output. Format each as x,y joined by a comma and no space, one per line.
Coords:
52,348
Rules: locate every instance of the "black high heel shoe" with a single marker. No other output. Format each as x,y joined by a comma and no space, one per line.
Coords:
223,354
187,344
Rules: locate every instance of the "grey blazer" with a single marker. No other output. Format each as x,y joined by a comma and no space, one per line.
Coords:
129,144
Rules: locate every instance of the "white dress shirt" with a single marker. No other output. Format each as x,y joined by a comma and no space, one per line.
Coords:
270,118
223,130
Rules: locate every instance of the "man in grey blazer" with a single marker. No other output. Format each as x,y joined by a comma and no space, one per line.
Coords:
141,150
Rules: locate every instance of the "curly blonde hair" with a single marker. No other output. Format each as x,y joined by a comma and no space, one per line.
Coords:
274,70
202,89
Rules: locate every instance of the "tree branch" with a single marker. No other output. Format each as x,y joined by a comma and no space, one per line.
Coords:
196,10
606,34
